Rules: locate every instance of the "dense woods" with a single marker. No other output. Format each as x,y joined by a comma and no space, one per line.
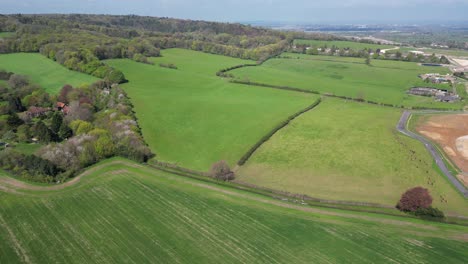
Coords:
80,42
76,128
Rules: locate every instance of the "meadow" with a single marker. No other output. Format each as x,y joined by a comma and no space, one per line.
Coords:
5,34
191,117
341,44
343,150
383,81
43,71
119,211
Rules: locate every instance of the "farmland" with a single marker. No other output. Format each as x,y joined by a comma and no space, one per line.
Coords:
349,151
43,71
168,218
191,117
383,81
341,44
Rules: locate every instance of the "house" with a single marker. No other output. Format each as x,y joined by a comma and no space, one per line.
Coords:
35,111
417,52
63,108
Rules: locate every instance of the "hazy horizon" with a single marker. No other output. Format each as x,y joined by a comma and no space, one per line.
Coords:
332,11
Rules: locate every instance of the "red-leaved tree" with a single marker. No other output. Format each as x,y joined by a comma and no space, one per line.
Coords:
414,199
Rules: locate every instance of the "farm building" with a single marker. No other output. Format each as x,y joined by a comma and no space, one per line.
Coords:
439,94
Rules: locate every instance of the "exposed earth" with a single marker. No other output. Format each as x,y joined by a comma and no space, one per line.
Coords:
451,133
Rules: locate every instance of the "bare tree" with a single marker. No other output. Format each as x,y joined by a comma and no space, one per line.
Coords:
221,171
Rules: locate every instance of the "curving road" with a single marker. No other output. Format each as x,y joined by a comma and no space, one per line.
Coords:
401,127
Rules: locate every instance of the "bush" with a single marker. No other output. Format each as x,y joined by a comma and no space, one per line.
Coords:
221,171
429,212
414,199
168,65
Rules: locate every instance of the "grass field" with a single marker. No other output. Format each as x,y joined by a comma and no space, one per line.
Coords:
383,81
123,212
349,151
341,44
191,117
5,34
43,71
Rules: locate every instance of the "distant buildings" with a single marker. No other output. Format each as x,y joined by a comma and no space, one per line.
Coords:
438,94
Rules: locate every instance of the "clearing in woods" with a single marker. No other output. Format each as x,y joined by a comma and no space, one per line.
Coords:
43,71
350,151
383,81
168,218
194,118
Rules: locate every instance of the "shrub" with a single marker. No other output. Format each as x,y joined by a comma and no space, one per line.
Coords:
414,199
429,212
168,65
221,171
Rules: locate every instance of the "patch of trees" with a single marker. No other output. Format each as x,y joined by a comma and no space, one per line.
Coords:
78,127
418,201
80,42
366,53
29,166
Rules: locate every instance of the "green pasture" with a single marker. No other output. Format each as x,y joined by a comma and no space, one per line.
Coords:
341,44
6,34
383,81
43,71
344,150
120,211
191,117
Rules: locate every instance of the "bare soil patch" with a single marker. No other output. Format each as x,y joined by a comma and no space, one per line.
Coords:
451,133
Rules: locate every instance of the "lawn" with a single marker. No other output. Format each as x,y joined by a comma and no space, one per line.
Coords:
43,71
191,117
123,212
5,34
341,44
349,151
382,81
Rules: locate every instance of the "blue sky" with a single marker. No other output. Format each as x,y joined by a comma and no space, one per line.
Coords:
324,11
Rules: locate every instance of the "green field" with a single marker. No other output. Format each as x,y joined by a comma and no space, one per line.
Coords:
5,34
43,71
383,81
119,211
349,151
191,117
340,44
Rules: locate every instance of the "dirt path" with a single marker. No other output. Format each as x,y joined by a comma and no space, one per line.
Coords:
10,185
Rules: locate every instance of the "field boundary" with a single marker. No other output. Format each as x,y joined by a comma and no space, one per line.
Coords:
360,100
266,137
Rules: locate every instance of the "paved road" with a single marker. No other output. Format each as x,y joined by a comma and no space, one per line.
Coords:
435,154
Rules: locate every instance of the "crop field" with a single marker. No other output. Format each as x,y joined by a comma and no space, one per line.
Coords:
43,71
382,81
341,44
349,151
191,117
119,211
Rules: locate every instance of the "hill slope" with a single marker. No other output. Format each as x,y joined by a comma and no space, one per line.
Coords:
119,211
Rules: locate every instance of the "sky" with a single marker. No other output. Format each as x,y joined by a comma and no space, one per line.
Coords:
306,11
